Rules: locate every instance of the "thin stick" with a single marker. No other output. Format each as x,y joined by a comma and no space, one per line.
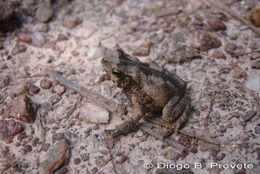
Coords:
226,9
242,54
91,96
210,110
110,154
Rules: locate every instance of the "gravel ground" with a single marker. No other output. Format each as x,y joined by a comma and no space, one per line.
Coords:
42,128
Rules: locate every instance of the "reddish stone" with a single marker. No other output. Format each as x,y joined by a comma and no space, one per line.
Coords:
59,89
55,157
8,129
122,160
62,37
144,50
20,108
216,24
24,36
219,55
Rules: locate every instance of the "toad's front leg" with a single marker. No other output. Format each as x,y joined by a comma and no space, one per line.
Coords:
178,114
124,128
127,126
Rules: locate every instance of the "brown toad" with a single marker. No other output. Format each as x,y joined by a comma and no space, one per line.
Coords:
152,90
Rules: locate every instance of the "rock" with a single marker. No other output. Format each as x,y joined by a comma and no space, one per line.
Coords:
27,148
104,152
37,39
24,36
208,42
256,64
239,73
77,161
249,115
45,84
216,24
219,55
34,89
43,27
233,36
71,22
44,13
253,84
221,157
57,137
96,52
84,156
4,81
18,49
8,129
143,50
254,16
20,108
55,157
172,154
62,37
122,160
222,129
94,114
18,90
59,89
45,147
257,130
230,48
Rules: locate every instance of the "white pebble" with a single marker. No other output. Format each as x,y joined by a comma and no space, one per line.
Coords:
254,83
94,114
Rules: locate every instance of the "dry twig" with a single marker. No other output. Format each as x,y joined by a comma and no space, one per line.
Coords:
210,110
110,154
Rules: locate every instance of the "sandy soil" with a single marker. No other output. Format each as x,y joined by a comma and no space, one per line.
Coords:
171,26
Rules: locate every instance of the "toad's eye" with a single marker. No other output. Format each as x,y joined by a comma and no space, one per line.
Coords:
116,72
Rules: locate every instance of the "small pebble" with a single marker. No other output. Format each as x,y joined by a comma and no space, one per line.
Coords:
71,22
27,148
239,73
24,36
257,130
59,89
77,161
219,55
37,39
216,24
253,83
256,64
18,49
230,48
45,84
84,156
104,152
34,89
222,129
62,37
122,160
43,27
44,13
208,41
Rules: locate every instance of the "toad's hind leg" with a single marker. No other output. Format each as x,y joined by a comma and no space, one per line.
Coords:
181,111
